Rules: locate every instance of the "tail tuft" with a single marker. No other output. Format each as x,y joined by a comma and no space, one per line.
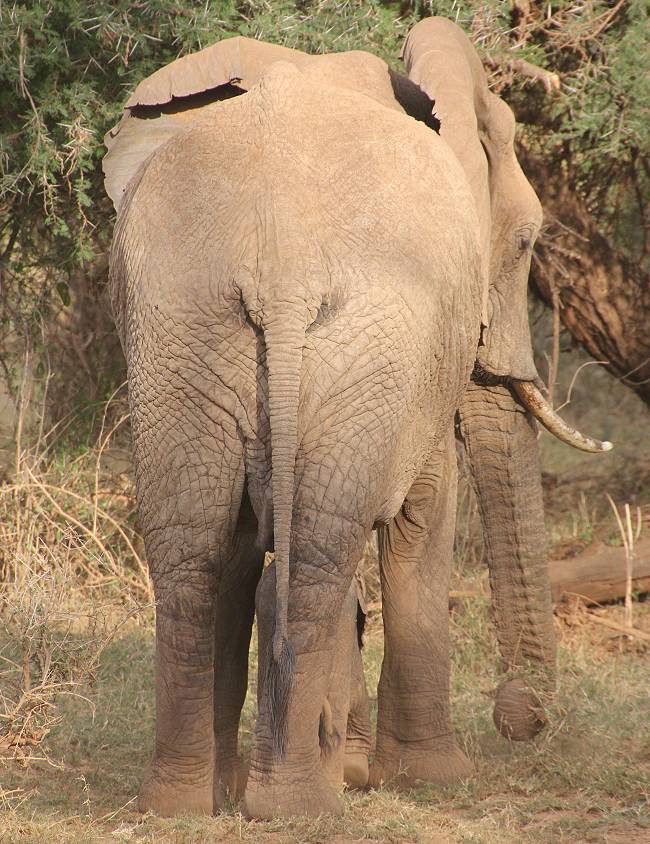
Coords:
277,685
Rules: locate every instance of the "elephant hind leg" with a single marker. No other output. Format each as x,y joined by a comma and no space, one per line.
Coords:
342,646
234,622
190,479
415,739
358,739
302,781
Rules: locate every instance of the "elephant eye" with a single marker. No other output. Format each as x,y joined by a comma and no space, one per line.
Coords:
524,240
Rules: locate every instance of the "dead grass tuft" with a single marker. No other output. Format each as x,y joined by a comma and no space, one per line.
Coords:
70,579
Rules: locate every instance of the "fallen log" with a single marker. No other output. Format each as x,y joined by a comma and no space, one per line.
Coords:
598,573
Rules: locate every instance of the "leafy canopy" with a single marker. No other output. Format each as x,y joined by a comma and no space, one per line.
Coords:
66,67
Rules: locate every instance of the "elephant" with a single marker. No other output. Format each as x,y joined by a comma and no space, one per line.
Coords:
296,349
311,287
496,417
344,730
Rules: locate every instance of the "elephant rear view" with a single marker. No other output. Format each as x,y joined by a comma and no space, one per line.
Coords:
299,330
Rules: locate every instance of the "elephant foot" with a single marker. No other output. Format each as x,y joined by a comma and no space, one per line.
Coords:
266,800
518,713
167,797
405,768
355,770
229,783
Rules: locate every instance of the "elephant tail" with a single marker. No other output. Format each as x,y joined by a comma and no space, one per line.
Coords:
284,335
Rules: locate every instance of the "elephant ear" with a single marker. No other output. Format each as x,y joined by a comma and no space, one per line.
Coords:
179,94
480,128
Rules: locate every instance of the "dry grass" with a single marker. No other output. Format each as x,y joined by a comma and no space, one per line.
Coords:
586,778
71,577
76,674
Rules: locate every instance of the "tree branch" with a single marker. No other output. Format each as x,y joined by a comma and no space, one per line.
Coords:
503,62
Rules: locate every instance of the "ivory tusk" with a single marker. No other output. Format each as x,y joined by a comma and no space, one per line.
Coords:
533,400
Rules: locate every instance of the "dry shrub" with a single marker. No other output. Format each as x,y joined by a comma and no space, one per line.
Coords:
48,649
70,578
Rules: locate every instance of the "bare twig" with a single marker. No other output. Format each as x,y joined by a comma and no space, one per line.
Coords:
24,394
104,441
629,538
567,400
621,628
549,79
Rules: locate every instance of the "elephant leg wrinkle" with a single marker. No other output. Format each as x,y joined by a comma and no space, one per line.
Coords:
415,740
188,520
179,777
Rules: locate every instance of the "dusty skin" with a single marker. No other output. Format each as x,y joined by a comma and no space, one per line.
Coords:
300,275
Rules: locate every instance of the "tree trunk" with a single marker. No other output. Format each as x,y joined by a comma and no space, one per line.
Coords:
604,297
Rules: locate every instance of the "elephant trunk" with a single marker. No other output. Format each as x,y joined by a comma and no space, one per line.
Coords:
284,335
500,438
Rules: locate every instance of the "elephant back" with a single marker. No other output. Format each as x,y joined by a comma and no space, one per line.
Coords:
181,93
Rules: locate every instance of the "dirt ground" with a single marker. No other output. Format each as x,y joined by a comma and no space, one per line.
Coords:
585,779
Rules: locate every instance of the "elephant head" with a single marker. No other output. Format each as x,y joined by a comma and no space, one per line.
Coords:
480,128
496,417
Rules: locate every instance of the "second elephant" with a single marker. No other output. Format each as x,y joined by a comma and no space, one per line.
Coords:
495,421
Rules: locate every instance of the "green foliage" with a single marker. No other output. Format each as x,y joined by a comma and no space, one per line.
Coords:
66,67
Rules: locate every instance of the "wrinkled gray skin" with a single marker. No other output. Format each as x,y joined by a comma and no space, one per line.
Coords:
297,346
346,706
